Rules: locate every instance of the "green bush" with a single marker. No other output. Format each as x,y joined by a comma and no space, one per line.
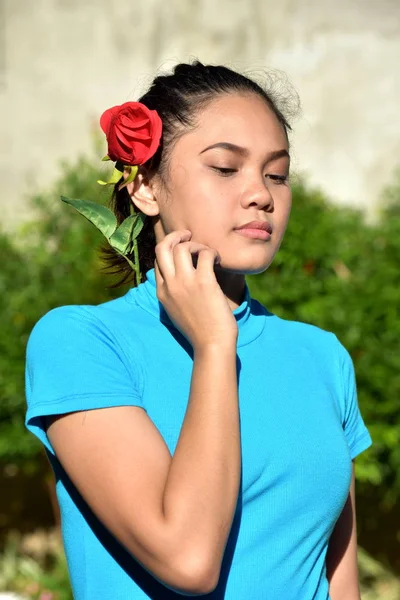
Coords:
52,260
338,272
333,270
39,575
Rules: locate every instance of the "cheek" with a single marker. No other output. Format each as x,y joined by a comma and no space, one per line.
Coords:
204,199
282,196
282,214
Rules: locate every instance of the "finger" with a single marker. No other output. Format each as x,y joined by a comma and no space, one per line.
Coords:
185,257
207,260
164,251
157,272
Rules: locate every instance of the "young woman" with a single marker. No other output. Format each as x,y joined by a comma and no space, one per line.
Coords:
201,444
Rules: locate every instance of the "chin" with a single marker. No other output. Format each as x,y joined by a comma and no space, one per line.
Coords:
249,261
244,267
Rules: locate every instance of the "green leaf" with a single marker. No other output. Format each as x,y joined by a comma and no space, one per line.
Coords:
138,225
115,177
132,174
129,229
106,157
97,214
121,239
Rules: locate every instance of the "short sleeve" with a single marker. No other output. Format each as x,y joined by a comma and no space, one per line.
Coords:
74,362
356,432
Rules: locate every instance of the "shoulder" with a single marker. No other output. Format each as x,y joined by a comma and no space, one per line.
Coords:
61,316
63,323
322,345
81,319
77,360
72,332
83,344
305,334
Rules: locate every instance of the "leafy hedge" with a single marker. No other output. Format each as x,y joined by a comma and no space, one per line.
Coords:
51,261
333,270
338,272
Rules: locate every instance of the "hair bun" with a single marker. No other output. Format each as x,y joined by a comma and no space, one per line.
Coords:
190,68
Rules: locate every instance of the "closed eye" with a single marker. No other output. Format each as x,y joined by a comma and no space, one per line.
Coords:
224,171
279,179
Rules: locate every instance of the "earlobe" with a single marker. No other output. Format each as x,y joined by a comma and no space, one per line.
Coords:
141,193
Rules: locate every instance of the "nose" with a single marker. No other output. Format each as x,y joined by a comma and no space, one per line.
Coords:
259,194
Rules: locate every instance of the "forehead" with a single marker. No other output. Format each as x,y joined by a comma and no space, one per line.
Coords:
244,120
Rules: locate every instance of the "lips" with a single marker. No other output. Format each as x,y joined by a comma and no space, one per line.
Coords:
264,225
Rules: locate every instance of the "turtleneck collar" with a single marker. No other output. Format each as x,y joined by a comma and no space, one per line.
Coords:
250,315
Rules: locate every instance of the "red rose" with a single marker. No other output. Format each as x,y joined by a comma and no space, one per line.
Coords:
133,132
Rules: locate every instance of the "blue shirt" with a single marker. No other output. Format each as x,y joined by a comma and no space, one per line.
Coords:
300,428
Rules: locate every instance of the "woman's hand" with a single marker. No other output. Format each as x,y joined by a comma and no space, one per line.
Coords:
191,295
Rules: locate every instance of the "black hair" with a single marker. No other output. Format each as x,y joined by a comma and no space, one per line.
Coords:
177,98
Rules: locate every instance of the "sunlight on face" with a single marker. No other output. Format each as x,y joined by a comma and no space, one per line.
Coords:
244,177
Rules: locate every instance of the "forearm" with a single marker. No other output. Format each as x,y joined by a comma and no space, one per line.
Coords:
334,595
203,481
341,558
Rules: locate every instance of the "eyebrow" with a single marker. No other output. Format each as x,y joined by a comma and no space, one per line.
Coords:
245,152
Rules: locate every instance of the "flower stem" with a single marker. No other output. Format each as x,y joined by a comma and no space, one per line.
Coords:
137,265
134,266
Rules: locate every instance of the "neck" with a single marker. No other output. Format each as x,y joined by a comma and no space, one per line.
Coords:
233,286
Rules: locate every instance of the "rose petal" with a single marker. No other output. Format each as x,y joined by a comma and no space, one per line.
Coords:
116,147
138,135
106,118
119,151
130,105
156,137
133,120
122,138
141,153
133,133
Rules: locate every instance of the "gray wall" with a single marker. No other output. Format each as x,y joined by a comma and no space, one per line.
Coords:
64,61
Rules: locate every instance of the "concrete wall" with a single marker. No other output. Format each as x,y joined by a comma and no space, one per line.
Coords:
62,62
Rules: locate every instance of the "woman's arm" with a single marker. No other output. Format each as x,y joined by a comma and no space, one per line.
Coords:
341,559
174,514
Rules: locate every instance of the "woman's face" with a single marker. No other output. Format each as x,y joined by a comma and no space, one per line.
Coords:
213,189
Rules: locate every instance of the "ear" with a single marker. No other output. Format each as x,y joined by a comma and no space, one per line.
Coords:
141,193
